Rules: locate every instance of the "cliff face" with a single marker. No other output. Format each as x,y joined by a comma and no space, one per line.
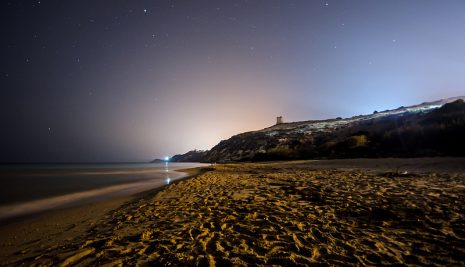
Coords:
191,156
429,129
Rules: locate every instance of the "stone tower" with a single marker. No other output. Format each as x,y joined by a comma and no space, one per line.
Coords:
279,120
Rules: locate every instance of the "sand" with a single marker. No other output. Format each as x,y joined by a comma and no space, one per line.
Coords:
287,213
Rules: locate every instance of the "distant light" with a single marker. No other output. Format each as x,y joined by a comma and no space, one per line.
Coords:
168,180
167,158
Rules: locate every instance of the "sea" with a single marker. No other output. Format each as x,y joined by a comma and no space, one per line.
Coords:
33,188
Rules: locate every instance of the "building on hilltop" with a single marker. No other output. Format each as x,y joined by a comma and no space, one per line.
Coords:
279,120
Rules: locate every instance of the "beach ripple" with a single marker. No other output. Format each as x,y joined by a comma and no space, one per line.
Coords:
252,214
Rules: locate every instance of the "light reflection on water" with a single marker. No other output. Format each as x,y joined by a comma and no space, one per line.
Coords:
168,180
42,187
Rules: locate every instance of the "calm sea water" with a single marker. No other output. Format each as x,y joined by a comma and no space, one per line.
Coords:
33,188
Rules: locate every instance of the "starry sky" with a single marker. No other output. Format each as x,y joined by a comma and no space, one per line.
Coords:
102,81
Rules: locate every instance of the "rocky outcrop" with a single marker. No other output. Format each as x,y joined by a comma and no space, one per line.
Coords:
158,161
191,156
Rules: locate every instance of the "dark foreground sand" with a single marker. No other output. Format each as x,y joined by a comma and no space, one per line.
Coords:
351,212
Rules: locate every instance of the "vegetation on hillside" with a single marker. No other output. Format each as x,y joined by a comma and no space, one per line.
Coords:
439,132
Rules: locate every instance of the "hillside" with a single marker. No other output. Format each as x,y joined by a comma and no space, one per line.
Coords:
428,129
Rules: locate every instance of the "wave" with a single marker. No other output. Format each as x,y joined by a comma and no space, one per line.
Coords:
89,196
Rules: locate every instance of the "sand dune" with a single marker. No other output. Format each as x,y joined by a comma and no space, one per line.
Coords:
280,214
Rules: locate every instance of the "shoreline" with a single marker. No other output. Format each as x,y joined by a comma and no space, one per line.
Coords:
357,211
28,192
67,223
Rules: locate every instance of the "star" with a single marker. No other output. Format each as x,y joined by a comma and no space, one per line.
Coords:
145,10
326,4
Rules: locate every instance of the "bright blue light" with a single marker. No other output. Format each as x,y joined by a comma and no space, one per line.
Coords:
167,158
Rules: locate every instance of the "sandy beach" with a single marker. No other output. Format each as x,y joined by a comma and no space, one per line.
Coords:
351,212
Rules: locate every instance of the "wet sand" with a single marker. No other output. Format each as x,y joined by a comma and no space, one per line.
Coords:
29,189
346,212
28,236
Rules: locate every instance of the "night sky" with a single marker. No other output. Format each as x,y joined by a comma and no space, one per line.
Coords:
126,81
